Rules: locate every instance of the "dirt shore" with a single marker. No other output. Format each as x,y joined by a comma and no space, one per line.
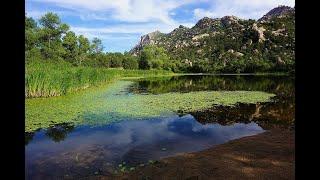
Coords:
270,155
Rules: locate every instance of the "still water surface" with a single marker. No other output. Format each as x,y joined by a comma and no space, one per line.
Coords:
68,151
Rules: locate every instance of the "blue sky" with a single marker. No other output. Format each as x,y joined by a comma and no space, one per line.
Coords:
121,23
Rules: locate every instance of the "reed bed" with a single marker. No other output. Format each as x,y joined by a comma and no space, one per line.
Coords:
46,79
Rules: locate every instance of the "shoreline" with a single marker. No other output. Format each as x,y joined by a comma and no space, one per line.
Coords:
164,75
269,155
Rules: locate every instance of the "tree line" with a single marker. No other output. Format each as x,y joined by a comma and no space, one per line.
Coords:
49,39
235,50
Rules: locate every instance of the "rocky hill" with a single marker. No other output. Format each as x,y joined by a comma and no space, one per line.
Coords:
224,43
279,12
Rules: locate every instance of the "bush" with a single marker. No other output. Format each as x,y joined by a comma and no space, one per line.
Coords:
130,62
153,57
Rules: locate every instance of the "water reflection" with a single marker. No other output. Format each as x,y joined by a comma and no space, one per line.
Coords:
59,132
65,151
56,133
274,84
88,150
278,113
28,137
267,115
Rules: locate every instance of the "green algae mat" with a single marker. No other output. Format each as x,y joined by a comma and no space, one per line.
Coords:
113,103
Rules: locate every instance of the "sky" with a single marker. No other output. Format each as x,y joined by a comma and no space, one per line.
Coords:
121,23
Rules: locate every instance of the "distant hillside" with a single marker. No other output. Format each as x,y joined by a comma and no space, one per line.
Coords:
231,44
280,11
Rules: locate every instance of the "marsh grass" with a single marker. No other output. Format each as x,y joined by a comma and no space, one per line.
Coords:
46,79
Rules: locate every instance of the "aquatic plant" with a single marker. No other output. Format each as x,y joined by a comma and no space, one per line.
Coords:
110,103
123,167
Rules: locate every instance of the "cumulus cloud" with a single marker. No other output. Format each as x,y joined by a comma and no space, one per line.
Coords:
108,19
123,10
141,28
245,9
124,36
39,13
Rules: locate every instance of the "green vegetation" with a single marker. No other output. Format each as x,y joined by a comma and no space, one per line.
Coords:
280,85
45,79
103,105
154,57
229,45
59,62
123,167
50,40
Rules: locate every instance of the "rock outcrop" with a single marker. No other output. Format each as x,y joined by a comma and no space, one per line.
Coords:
215,39
260,31
148,39
229,20
279,11
207,23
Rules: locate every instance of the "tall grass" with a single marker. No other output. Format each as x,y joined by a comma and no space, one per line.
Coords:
45,78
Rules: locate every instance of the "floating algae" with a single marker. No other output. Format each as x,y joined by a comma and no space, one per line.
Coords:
109,104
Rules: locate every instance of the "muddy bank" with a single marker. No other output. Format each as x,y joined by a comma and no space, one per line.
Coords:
269,155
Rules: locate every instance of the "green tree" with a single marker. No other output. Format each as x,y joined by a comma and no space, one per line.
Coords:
84,48
50,35
116,60
153,57
70,43
31,34
96,46
130,62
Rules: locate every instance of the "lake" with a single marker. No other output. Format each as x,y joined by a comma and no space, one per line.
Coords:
108,132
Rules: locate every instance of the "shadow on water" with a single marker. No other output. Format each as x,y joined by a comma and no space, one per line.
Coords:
65,151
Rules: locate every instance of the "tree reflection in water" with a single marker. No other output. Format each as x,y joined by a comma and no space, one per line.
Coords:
280,85
267,115
59,132
28,137
278,113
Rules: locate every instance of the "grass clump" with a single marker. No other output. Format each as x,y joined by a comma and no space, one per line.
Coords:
46,79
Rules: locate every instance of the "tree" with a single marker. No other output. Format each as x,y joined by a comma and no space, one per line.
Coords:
116,60
130,62
153,57
50,34
31,33
96,46
30,23
70,43
84,48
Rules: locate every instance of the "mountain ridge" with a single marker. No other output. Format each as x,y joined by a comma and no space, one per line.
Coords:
265,38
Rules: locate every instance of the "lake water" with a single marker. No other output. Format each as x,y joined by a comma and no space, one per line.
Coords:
77,151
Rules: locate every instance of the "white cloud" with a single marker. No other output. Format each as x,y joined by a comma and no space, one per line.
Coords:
245,9
123,10
200,13
124,36
127,20
141,28
38,14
